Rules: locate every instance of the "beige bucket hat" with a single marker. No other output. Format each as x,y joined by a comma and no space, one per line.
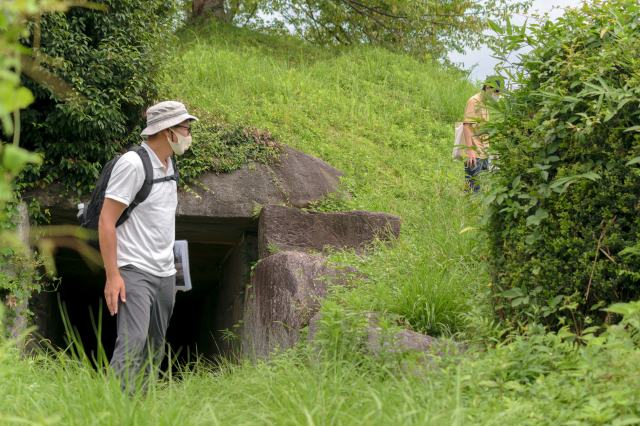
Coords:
164,115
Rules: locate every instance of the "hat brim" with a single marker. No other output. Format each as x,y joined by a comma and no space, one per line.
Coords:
165,124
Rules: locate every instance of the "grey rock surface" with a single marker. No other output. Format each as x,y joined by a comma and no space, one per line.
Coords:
379,341
285,292
398,342
284,228
296,180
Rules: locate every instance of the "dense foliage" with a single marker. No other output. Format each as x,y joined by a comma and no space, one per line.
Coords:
108,59
13,97
564,220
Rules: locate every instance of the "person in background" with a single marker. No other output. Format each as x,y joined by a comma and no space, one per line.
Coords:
476,113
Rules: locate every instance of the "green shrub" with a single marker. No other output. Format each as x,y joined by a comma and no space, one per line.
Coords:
563,207
110,61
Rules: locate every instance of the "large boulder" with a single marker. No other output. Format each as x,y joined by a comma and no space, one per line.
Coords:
285,292
297,179
284,228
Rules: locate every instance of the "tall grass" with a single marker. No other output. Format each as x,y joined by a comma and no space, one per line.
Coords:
385,120
536,379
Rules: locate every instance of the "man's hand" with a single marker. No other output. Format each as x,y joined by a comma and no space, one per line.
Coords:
472,155
114,289
471,149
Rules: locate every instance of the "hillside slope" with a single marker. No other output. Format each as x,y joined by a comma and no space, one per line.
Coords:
385,120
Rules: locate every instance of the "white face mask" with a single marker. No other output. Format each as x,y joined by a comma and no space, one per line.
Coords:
183,144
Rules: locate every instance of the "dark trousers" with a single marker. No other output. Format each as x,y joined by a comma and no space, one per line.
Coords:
142,324
481,165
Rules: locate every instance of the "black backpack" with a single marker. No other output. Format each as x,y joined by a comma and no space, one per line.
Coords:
90,214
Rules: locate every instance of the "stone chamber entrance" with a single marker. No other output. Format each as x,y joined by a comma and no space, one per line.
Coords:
251,219
205,321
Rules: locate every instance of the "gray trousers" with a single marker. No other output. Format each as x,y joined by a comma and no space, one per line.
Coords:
142,324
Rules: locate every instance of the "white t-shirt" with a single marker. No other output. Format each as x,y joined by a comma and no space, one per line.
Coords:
146,239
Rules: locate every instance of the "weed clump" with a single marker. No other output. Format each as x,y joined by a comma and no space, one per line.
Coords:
222,148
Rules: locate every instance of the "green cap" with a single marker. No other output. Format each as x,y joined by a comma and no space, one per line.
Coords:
494,81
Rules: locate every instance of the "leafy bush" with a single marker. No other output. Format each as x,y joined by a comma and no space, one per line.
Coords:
109,60
563,220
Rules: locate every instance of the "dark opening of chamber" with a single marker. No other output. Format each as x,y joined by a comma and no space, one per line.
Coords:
204,320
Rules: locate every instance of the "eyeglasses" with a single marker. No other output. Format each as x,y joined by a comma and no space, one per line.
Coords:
185,127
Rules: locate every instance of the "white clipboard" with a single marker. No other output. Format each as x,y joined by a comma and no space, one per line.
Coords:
181,260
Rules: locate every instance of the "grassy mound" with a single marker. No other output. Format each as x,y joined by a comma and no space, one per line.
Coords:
385,120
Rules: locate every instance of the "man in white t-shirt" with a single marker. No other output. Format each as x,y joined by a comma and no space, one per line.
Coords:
138,254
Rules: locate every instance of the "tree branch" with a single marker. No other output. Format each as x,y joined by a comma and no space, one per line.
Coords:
375,10
316,23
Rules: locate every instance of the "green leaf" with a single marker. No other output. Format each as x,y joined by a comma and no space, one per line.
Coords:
14,158
633,161
538,217
631,251
495,27
22,98
532,238
624,308
519,301
556,301
6,191
560,185
512,293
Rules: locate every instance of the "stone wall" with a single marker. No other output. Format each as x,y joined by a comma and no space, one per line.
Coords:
229,307
292,276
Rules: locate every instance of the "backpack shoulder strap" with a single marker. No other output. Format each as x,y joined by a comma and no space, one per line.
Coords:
175,176
145,190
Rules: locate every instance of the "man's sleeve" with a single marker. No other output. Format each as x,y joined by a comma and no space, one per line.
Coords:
125,181
471,115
